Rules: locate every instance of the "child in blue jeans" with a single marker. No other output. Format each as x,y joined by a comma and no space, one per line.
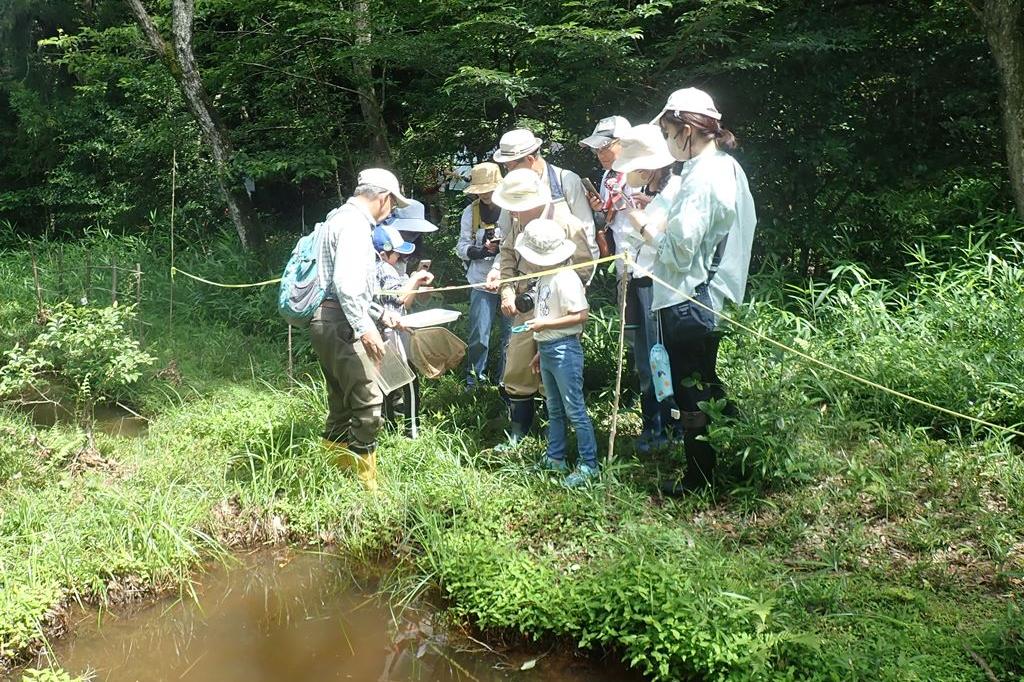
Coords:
562,309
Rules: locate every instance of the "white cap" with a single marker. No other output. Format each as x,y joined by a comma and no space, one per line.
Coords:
643,148
515,144
607,129
385,180
521,190
692,101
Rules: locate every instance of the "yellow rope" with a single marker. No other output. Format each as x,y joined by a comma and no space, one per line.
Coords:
398,292
176,271
828,366
648,273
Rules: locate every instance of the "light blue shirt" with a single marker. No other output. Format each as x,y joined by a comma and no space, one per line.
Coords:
349,263
712,201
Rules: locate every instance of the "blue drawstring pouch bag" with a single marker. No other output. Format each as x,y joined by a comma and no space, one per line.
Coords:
661,372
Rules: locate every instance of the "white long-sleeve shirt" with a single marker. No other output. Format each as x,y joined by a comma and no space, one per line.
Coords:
348,263
712,202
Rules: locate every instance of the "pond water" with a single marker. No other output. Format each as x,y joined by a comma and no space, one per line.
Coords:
112,420
284,616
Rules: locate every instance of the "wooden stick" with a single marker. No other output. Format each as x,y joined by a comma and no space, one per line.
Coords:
35,277
138,298
60,271
626,262
113,281
87,284
174,183
291,361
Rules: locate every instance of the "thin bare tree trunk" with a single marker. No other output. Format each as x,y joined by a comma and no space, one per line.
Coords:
1004,28
369,104
182,63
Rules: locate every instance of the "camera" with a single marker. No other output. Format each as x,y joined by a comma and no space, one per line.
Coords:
489,234
526,301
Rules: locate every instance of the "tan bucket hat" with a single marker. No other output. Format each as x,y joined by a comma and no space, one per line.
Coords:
484,178
521,190
515,144
544,243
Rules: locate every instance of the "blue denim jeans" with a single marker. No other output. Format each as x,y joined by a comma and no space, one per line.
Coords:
656,416
561,368
483,307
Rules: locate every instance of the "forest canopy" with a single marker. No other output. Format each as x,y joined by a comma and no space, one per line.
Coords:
860,123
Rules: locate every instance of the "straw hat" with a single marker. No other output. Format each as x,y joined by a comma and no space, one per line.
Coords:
692,101
607,129
385,180
484,178
643,148
544,243
387,238
411,218
521,190
515,144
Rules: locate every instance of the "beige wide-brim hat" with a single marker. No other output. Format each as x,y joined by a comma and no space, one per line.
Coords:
642,148
543,242
485,177
521,190
385,180
515,144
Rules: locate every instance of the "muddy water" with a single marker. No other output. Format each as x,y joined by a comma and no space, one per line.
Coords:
111,420
295,617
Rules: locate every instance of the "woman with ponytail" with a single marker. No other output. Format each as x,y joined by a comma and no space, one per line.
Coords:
702,244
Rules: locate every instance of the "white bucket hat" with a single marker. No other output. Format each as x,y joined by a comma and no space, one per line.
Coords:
385,180
607,129
690,100
543,242
643,148
411,218
521,190
515,144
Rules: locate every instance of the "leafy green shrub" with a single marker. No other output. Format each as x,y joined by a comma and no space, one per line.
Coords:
88,351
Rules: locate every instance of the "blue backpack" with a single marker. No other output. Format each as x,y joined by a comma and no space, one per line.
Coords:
303,287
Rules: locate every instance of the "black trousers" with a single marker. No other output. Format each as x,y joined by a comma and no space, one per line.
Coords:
693,357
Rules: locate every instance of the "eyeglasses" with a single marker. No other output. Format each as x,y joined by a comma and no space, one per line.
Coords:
607,147
515,163
390,219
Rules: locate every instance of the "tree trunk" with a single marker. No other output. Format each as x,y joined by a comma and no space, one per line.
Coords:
370,106
181,61
1004,28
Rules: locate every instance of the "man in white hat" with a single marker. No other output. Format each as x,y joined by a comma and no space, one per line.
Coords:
525,196
343,330
520,148
411,221
614,194
479,239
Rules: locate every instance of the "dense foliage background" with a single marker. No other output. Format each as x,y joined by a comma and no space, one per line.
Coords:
864,125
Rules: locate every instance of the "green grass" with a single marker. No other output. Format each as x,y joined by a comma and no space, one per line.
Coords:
852,538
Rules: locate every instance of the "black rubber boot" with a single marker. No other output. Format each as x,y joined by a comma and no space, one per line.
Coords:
521,411
700,457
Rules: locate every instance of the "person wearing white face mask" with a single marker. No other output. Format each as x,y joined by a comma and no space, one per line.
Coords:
645,163
702,246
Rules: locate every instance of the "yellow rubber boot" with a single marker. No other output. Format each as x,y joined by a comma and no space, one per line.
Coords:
366,470
338,451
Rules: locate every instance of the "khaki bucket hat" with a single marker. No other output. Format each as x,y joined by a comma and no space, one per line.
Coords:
485,177
521,190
